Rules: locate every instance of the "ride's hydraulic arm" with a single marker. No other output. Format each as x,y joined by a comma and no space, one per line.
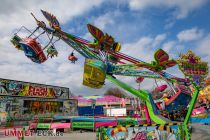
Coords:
143,95
192,104
190,109
140,93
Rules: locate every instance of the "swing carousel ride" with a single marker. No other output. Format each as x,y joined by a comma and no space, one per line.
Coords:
103,60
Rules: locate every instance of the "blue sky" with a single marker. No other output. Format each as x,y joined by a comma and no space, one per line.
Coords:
147,22
141,26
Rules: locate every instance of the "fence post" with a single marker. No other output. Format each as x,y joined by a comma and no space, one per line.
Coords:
98,133
23,133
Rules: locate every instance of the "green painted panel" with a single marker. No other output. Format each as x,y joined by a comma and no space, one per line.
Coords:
43,125
86,125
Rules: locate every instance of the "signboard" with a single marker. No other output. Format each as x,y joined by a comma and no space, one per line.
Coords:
43,125
18,88
115,111
192,67
125,122
85,125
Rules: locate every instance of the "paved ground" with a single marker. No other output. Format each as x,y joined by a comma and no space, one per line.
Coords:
200,132
66,136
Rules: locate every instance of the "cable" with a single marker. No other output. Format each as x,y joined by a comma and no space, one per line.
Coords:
34,32
49,42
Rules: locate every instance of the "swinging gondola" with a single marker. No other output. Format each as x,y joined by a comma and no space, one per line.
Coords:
31,47
72,57
51,51
139,79
94,73
33,50
15,41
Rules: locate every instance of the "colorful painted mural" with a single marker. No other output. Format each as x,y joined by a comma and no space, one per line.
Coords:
3,117
70,108
24,108
159,132
18,88
23,101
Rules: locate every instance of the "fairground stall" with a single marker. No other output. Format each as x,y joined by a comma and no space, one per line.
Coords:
98,105
22,100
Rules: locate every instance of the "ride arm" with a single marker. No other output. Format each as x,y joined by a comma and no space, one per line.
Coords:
130,70
192,103
142,94
67,38
190,109
80,48
138,73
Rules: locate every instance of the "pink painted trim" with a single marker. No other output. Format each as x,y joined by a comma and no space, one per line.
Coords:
147,115
197,111
99,124
60,125
33,125
158,105
174,96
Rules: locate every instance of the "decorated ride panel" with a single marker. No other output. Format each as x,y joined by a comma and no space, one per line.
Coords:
154,132
161,62
102,41
175,104
33,50
178,102
53,22
94,73
192,66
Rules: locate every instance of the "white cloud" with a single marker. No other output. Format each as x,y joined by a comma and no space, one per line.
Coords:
144,47
104,20
169,23
64,10
101,22
57,71
204,48
146,84
88,36
190,34
159,39
168,46
140,49
182,7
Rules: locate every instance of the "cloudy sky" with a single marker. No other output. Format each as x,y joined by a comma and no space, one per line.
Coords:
141,26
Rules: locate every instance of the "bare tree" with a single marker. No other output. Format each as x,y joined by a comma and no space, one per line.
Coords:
114,91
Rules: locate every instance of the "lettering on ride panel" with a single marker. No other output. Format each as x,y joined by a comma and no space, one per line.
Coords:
140,136
37,91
